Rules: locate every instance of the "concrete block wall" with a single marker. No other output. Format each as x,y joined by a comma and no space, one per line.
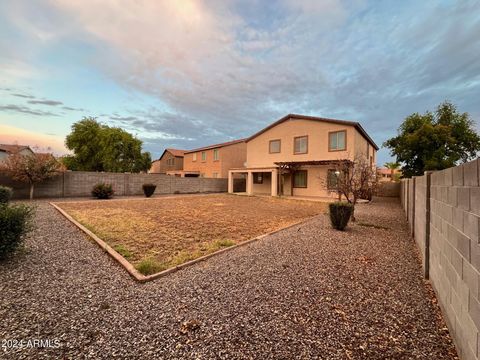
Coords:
446,217
80,183
388,189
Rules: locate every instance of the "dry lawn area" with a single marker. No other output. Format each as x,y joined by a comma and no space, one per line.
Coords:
157,234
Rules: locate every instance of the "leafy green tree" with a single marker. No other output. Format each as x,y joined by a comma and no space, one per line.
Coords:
434,141
98,147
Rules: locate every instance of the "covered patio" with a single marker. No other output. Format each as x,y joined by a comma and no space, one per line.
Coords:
256,177
279,179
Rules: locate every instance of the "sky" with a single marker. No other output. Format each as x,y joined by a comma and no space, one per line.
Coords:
185,74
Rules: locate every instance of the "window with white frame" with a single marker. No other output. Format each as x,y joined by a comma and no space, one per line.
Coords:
337,141
300,145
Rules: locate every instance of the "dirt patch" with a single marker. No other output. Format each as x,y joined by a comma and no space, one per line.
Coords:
160,233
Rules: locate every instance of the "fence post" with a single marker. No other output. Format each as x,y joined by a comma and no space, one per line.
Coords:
63,184
427,223
414,181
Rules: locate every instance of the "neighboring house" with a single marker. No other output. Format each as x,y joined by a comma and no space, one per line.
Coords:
384,174
214,161
297,155
171,160
6,150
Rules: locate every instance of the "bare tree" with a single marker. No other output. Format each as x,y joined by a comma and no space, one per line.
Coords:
31,169
355,180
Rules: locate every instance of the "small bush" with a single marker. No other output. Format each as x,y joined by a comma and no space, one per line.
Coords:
5,194
149,189
149,267
15,223
102,191
340,213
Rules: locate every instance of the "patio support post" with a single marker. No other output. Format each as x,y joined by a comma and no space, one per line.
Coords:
274,182
249,183
230,182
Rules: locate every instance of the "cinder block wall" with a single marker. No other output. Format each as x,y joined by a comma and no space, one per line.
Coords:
388,189
446,217
80,183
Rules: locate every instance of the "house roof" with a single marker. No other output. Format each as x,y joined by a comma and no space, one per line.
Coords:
216,146
355,124
12,149
174,152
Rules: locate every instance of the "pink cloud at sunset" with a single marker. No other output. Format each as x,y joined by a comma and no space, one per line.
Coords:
42,142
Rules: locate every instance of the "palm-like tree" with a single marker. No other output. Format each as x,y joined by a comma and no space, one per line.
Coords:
392,166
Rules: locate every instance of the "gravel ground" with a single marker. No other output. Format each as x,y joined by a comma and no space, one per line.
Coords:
306,292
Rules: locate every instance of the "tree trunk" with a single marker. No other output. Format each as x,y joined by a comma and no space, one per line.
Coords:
354,202
31,191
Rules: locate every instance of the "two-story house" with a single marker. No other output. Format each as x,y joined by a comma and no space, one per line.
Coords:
214,161
171,160
297,155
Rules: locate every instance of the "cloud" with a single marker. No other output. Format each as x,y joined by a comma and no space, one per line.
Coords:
25,110
68,108
221,70
123,118
14,135
45,102
23,96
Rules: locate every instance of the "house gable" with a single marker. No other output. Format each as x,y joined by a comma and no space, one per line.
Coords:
304,139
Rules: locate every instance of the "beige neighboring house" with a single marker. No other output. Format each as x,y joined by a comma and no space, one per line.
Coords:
214,161
297,155
171,160
6,150
384,174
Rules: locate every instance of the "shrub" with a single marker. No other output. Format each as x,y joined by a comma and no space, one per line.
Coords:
102,191
149,189
5,194
15,223
340,213
149,266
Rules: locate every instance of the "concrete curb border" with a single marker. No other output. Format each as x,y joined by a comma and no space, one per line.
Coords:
144,278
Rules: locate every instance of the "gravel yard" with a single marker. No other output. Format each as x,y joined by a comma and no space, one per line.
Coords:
306,292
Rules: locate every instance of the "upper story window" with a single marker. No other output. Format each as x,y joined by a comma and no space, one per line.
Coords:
337,141
300,145
194,157
204,155
274,146
171,161
215,154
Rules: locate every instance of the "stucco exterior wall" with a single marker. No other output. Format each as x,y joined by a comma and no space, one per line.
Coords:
318,148
265,187
363,148
231,156
177,165
155,168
